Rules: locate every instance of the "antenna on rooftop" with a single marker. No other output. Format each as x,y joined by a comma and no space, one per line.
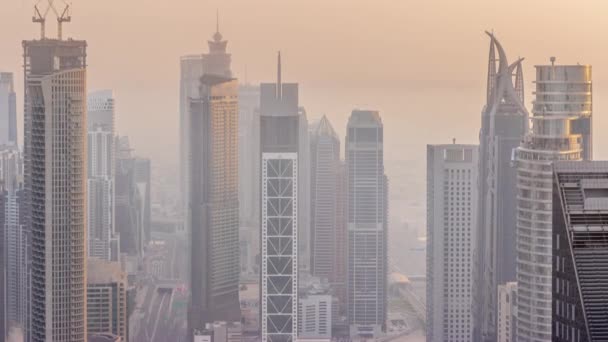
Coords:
40,16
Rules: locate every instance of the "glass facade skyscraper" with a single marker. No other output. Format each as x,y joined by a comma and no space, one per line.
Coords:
367,225
213,204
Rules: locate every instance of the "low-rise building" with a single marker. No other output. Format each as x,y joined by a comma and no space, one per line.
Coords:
106,299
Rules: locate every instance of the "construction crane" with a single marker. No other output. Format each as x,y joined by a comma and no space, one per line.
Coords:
40,16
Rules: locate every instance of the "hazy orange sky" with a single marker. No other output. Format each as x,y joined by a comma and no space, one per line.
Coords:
418,62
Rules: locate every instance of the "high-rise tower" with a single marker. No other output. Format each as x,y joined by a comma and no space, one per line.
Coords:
213,205
451,217
8,110
580,247
101,168
279,123
366,224
325,172
55,179
562,103
15,241
504,122
192,68
129,201
249,175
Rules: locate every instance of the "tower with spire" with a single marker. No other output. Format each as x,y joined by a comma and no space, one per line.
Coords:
280,196
217,61
192,67
504,122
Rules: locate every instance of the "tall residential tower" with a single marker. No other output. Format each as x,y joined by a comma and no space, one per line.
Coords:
451,217
55,179
560,110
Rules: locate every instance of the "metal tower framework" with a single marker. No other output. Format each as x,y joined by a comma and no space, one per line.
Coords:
62,17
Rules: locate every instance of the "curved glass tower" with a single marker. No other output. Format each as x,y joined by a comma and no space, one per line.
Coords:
561,130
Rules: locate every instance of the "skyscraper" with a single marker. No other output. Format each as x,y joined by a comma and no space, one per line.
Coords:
55,179
504,122
366,224
341,262
213,205
3,266
249,150
101,168
129,201
325,229
249,175
8,110
143,179
279,124
563,98
192,67
580,251
191,71
451,217
15,241
107,298
304,188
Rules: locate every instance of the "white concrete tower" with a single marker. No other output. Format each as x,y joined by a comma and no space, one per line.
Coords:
452,195
561,130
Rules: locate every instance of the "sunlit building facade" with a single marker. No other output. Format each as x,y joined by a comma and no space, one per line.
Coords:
192,68
561,111
213,204
55,181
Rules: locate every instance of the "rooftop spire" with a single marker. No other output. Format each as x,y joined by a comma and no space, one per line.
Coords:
279,84
217,36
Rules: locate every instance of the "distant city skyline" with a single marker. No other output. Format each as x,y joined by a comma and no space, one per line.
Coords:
239,218
407,63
